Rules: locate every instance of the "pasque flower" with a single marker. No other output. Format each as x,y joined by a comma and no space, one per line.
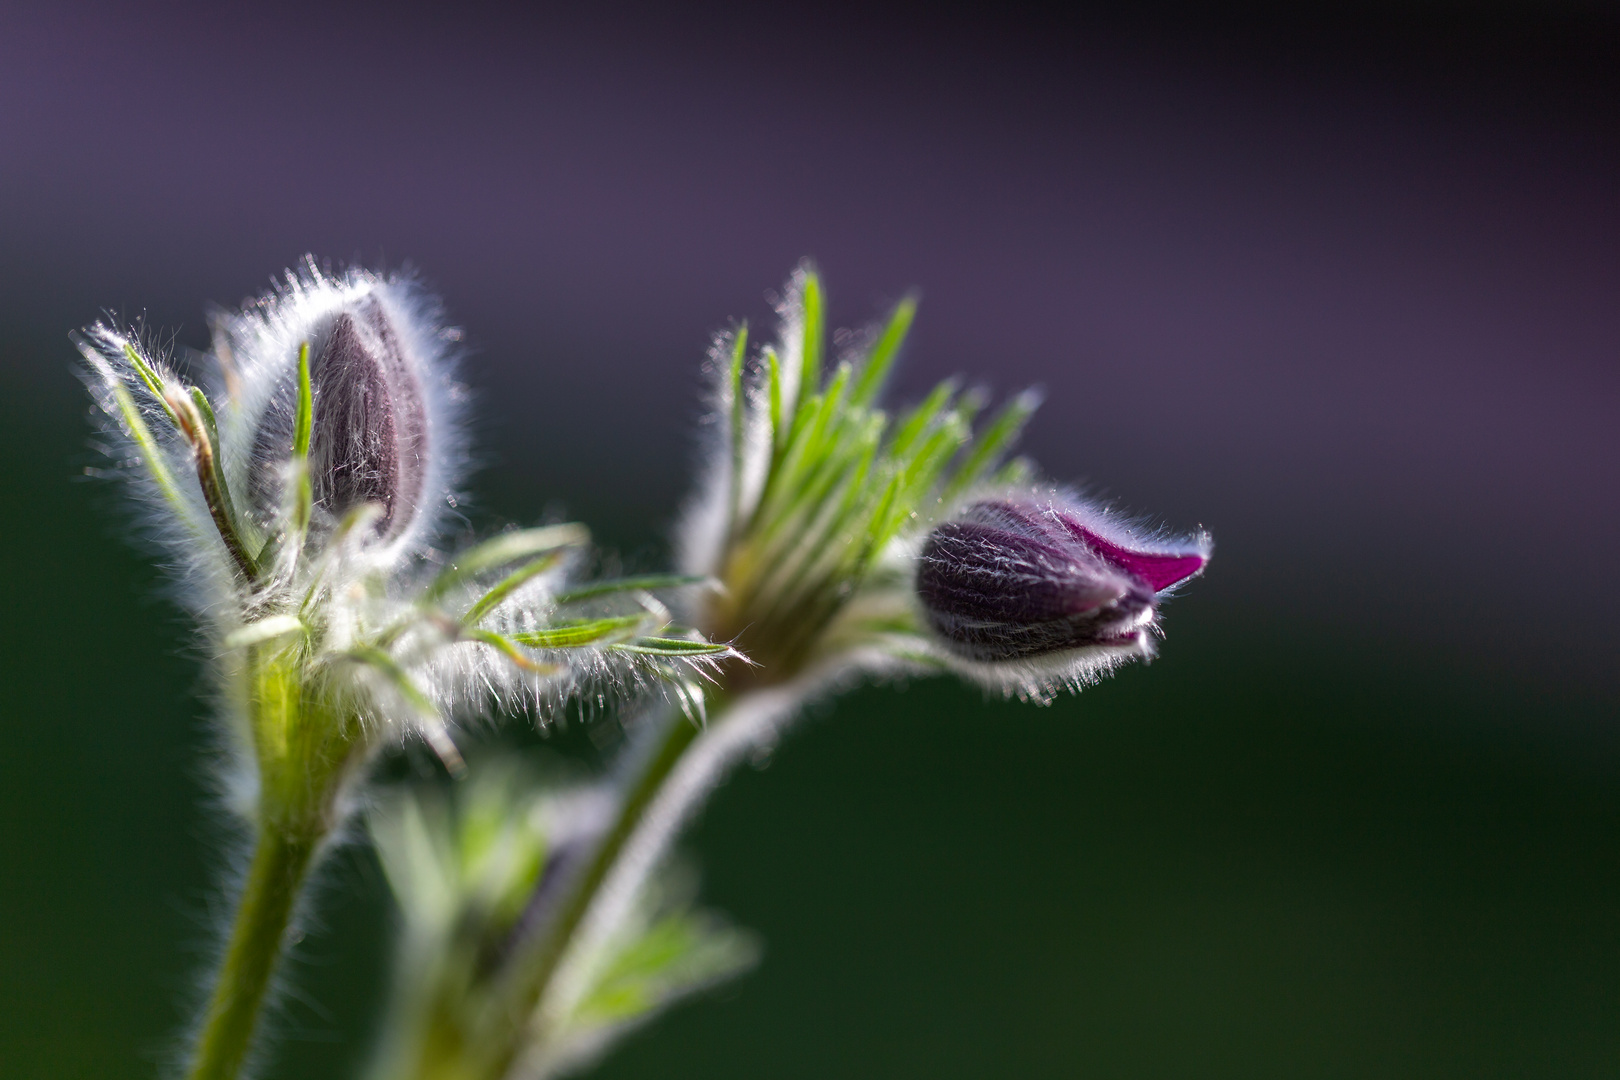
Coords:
307,518
831,538
1020,585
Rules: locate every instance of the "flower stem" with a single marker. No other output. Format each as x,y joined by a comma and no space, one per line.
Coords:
280,863
658,760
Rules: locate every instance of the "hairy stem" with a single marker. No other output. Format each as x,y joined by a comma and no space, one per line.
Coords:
658,760
304,750
281,862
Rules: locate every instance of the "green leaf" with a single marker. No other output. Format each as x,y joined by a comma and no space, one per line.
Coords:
773,370
572,635
153,381
668,646
505,646
432,729
510,584
304,418
645,583
739,416
881,359
996,438
398,677
151,453
1016,473
677,954
814,332
200,399
920,418
301,493
303,500
195,419
506,548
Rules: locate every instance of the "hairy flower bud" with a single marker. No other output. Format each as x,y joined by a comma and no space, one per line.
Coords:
369,443
376,425
1015,580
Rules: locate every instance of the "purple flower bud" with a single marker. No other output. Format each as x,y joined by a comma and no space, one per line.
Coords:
370,438
1018,579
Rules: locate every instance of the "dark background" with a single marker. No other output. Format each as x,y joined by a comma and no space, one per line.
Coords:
1344,288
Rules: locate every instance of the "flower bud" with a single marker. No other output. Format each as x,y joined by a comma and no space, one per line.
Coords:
1015,579
369,443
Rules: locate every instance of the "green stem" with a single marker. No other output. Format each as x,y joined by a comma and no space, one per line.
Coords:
280,863
659,759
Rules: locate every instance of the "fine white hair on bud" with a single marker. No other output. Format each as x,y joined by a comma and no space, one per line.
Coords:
1032,592
387,421
307,509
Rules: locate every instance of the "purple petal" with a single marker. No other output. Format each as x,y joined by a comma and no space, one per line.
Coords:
1158,569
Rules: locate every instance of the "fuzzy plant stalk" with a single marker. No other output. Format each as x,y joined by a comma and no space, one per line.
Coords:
299,479
840,541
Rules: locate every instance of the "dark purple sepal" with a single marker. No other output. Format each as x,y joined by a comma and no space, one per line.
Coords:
369,442
1014,580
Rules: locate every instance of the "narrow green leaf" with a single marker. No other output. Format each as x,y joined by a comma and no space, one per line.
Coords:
779,485
200,399
814,333
667,646
818,435
572,635
1016,473
919,418
401,680
881,359
432,729
510,584
211,476
506,548
773,369
739,417
993,442
647,583
300,495
303,499
798,436
831,411
151,453
505,646
921,475
848,457
153,381
304,418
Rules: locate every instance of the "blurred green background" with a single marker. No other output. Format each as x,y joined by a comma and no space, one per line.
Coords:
1338,284
1274,852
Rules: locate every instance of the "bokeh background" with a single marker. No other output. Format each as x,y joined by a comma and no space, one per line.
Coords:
1343,287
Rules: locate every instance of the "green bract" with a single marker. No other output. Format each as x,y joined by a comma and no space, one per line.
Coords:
815,488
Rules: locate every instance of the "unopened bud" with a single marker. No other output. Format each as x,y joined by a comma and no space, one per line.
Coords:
1014,579
370,438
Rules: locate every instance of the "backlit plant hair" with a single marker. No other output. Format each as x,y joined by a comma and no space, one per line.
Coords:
301,491
829,524
301,487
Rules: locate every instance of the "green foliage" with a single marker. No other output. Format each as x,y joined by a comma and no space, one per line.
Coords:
540,919
470,870
664,951
843,480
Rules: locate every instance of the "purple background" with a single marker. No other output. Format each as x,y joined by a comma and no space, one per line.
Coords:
1345,291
